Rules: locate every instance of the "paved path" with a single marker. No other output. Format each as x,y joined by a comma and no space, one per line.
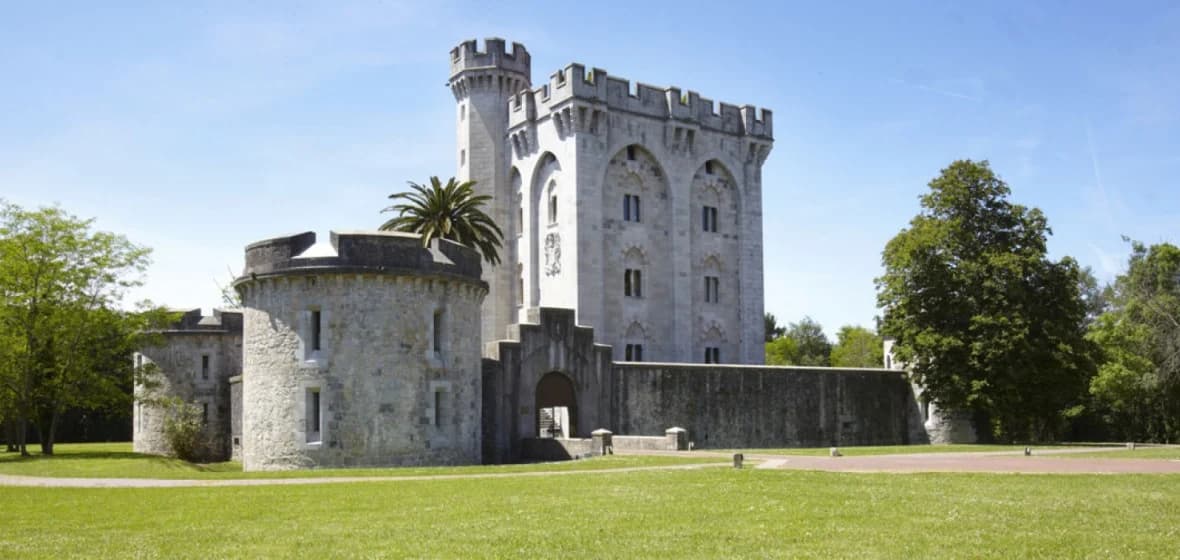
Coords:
1041,461
60,482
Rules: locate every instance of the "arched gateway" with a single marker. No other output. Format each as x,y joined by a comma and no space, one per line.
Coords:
556,406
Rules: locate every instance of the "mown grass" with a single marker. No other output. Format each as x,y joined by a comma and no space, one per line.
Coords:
886,449
116,460
706,513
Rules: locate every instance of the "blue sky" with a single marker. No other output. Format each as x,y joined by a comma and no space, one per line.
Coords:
196,128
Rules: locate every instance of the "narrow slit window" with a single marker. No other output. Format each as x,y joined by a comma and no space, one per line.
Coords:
315,415
708,167
316,330
630,153
712,289
204,366
437,332
553,209
709,218
438,405
205,414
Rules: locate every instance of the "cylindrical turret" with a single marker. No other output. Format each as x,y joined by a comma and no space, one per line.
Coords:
483,82
361,353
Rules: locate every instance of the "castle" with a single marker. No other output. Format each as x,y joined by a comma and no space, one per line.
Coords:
632,271
640,208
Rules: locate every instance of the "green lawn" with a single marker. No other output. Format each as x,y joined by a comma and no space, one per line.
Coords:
711,513
116,460
886,449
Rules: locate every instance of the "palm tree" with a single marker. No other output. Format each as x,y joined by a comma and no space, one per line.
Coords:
452,211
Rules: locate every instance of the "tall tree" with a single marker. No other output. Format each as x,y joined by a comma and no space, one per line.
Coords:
452,211
858,347
60,282
985,321
1138,381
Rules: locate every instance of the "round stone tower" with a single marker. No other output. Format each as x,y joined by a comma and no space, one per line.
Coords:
483,82
361,352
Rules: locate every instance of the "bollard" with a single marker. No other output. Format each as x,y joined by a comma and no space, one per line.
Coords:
1131,445
737,460
835,452
1027,451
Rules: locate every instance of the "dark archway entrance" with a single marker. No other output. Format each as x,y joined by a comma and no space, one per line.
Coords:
556,406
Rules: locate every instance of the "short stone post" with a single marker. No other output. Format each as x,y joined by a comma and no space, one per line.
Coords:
677,438
600,442
834,452
1131,445
737,460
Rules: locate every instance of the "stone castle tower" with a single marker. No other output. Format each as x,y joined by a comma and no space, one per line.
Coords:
638,207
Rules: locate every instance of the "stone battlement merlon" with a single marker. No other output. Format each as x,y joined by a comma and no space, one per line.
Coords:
193,322
596,86
375,252
467,56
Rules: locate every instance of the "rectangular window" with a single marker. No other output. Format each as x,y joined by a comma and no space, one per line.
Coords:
709,219
438,404
634,353
712,355
708,167
631,208
712,289
316,330
314,415
520,291
437,332
205,413
632,283
205,366
630,153
553,209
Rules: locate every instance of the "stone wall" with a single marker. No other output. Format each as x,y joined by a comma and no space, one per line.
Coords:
198,356
738,406
385,395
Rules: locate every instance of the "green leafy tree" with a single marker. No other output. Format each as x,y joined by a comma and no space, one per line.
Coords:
814,347
986,323
65,344
452,211
773,329
782,351
1138,380
858,347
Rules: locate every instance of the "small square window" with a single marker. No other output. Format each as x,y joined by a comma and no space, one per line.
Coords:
633,353
712,355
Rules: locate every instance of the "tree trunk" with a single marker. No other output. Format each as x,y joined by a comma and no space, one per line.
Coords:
46,425
22,435
10,435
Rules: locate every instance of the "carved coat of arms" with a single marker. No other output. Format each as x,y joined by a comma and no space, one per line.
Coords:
552,254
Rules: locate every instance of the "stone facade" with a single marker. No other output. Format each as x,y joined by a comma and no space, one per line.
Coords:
362,353
718,406
591,178
195,362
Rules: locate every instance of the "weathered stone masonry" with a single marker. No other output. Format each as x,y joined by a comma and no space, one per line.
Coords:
362,353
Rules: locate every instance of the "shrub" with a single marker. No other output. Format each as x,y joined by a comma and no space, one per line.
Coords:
184,430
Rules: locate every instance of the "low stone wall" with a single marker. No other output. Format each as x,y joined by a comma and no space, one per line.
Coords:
556,449
748,406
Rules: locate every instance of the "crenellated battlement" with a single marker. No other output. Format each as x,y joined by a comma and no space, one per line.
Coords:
596,86
467,56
